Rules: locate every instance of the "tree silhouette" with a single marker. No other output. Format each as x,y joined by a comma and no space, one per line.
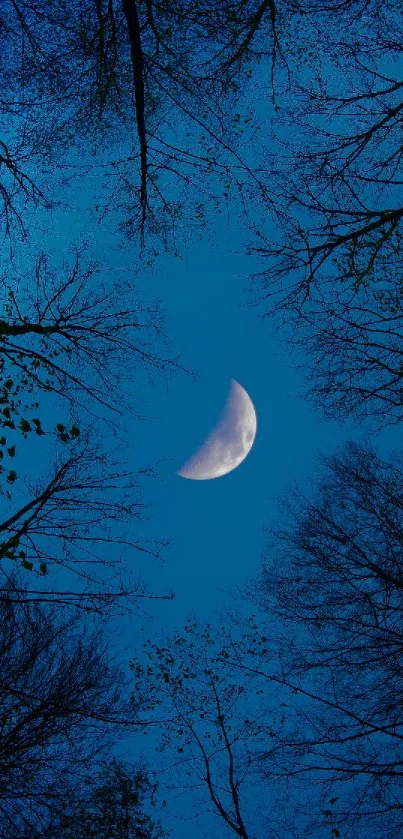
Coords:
80,521
333,266
65,332
340,213
97,71
334,580
354,341
67,336
62,705
112,802
210,719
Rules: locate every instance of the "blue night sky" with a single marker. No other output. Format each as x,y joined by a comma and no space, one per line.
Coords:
215,527
170,175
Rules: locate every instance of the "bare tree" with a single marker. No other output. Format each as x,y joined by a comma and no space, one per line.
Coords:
18,188
213,724
80,520
340,207
333,579
63,704
65,330
134,68
354,342
332,267
66,336
102,70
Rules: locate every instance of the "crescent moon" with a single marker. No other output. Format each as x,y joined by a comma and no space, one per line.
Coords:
229,443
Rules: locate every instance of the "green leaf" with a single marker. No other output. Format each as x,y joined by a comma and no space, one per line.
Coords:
11,451
43,568
27,564
11,477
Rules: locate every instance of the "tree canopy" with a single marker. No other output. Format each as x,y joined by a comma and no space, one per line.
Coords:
139,121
